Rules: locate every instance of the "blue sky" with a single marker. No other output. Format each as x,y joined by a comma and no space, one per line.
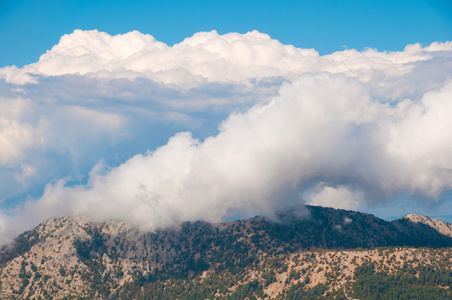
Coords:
158,112
29,28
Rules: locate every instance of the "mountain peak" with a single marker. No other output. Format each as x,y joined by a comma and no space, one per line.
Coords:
441,227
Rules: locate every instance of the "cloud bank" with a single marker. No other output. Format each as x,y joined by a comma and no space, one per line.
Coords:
337,130
209,57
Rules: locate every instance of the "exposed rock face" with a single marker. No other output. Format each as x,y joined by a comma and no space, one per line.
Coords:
75,256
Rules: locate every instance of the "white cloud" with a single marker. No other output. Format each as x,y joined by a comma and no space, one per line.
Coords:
337,197
347,220
209,57
64,127
15,135
344,129
4,237
26,171
419,143
320,128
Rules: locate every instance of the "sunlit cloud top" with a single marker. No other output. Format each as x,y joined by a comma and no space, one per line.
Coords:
208,57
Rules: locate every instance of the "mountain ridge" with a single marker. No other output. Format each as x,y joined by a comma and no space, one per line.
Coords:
442,227
75,256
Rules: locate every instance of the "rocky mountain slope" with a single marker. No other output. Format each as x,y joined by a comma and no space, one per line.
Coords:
325,253
441,227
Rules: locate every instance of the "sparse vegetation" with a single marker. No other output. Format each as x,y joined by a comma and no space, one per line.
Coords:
253,259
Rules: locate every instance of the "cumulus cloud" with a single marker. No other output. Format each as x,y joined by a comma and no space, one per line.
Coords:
340,130
209,57
321,128
419,136
205,57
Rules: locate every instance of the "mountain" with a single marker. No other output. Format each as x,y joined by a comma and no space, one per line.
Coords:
307,252
441,227
444,218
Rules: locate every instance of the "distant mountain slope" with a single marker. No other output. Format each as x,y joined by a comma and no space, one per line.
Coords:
442,227
75,256
329,228
444,218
